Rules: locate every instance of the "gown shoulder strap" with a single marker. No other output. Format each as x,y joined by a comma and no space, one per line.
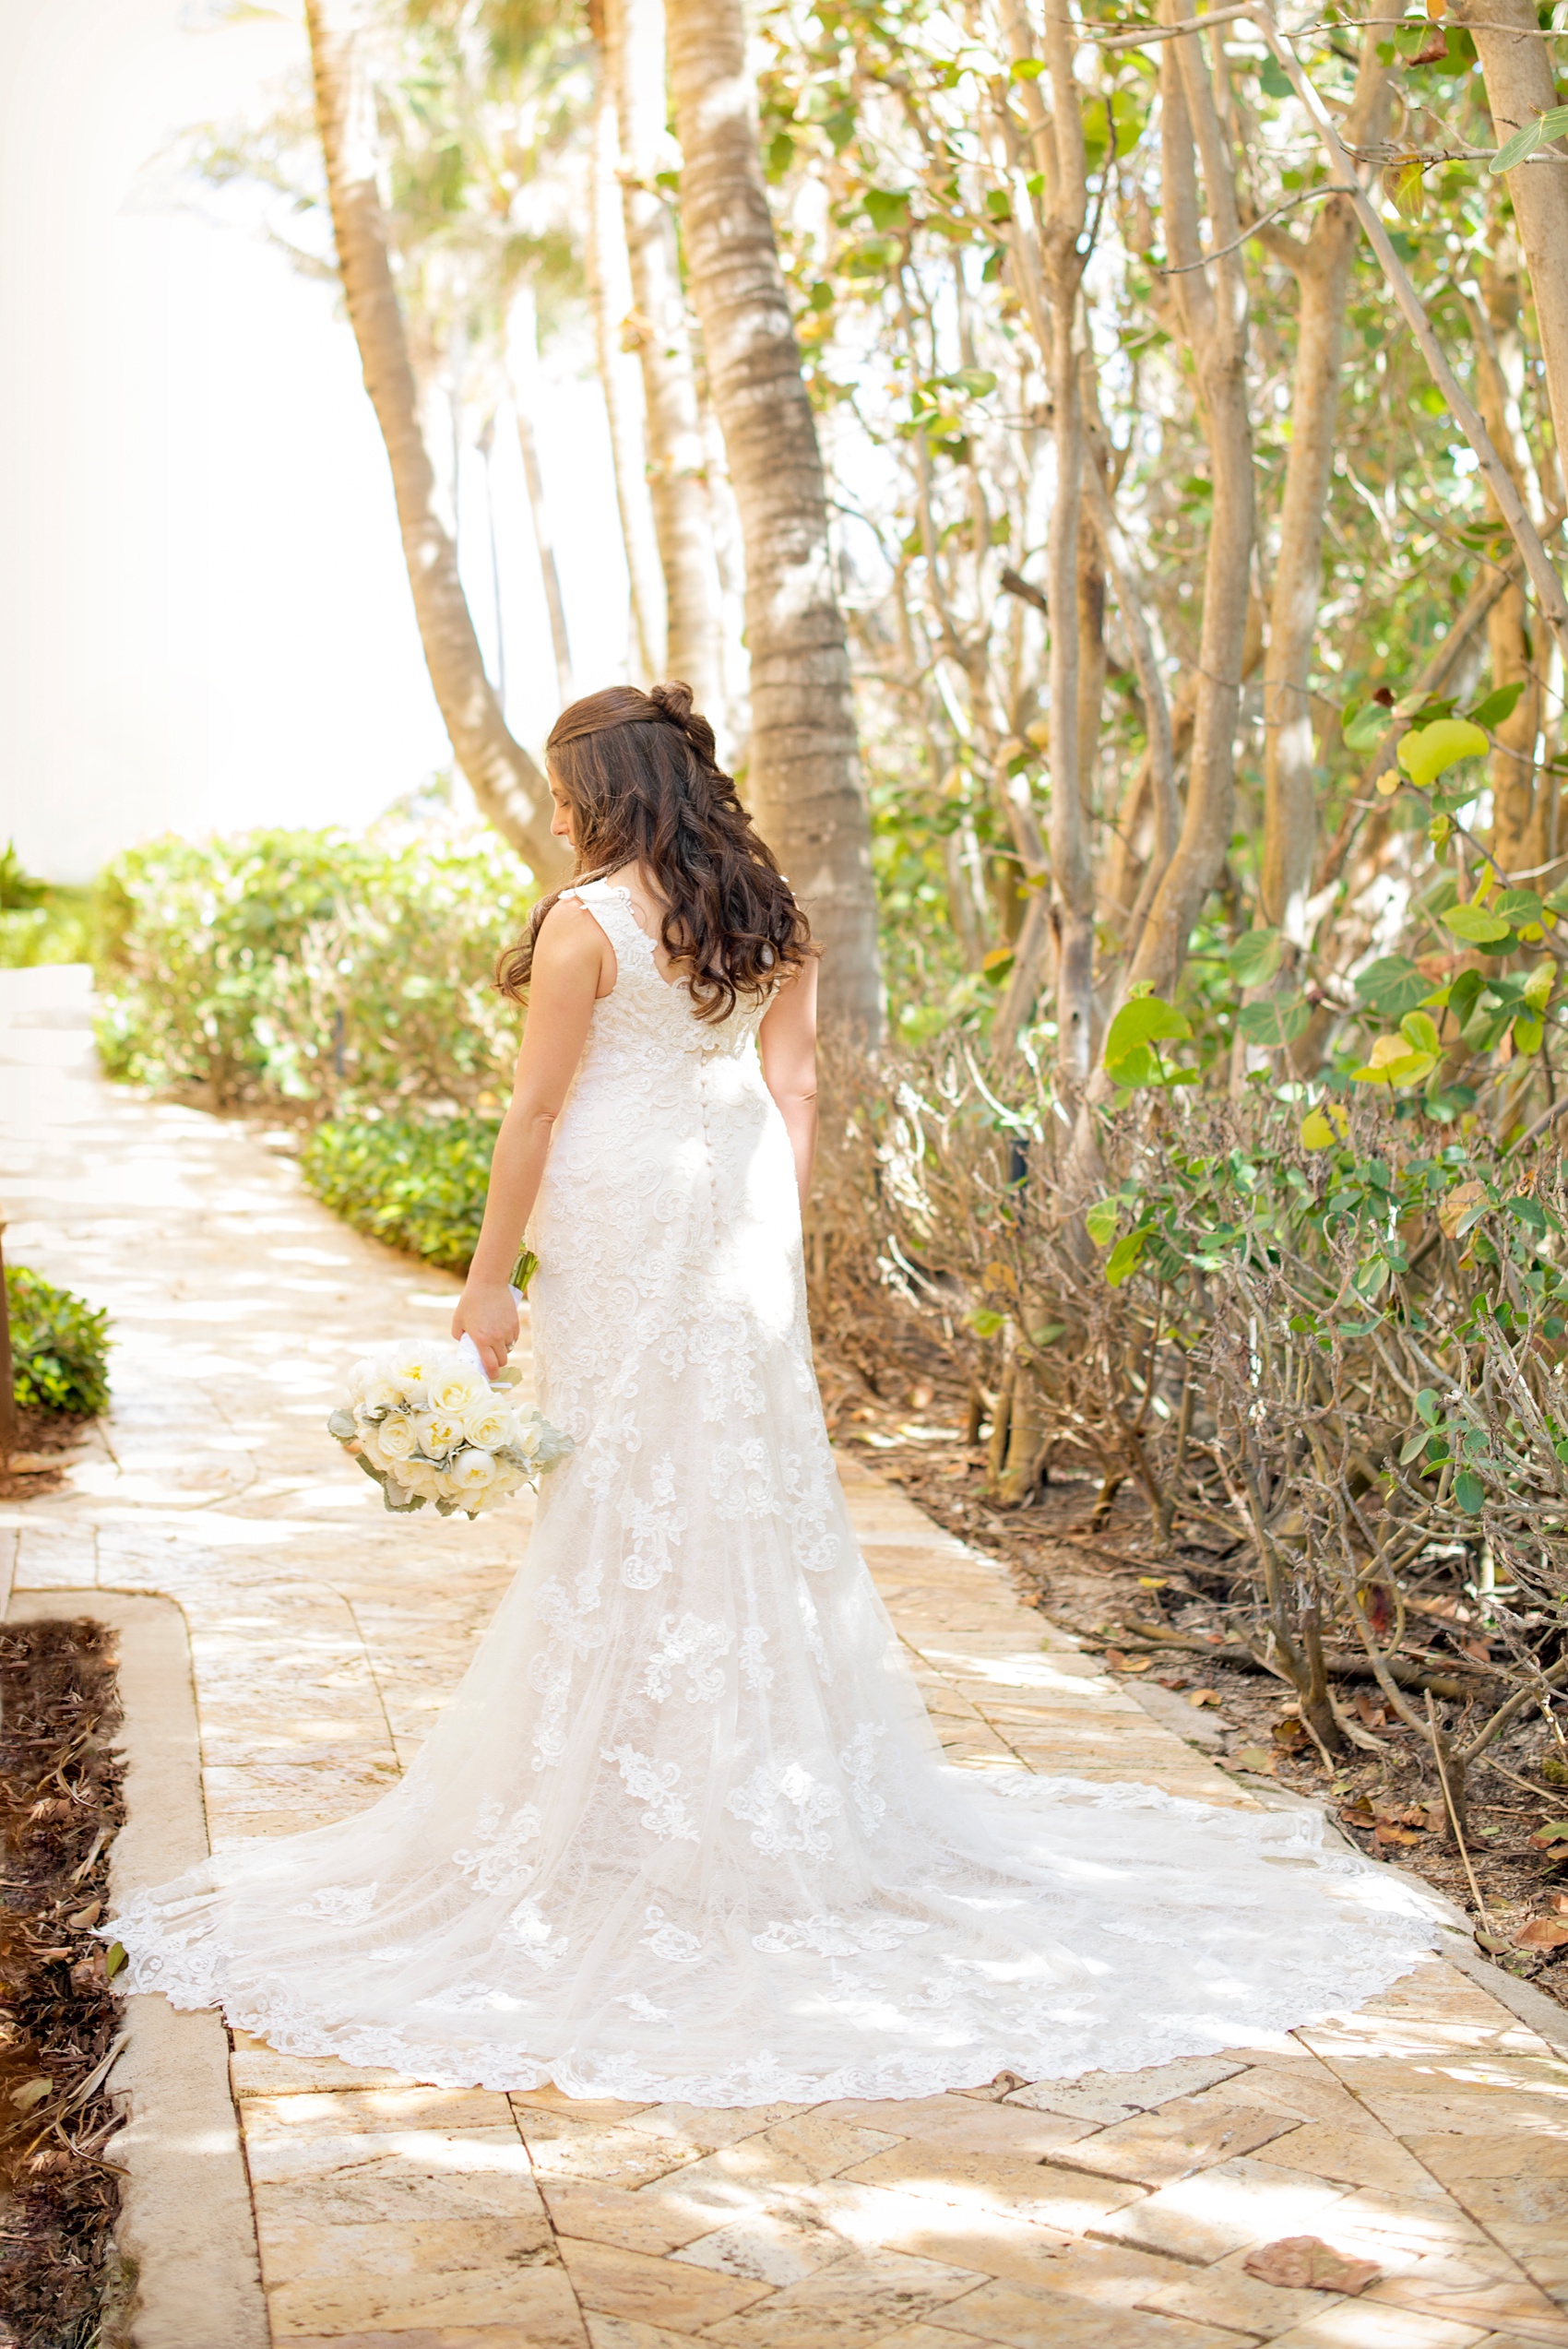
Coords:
611,908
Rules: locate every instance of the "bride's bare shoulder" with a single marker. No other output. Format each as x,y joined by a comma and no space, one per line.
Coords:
571,945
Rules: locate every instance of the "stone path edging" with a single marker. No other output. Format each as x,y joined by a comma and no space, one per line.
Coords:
186,2230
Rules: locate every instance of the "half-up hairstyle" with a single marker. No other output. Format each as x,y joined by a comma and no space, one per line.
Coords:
639,772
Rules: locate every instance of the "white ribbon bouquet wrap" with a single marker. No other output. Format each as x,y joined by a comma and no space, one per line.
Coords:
427,1424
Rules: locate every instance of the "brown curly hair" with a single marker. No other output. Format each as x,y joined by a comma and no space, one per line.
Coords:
645,788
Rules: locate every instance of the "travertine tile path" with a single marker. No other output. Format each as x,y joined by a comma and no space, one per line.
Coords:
1427,2135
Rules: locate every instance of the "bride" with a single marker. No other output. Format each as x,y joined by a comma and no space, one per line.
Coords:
684,1830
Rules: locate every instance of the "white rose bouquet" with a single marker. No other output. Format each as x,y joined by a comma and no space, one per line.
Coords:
428,1425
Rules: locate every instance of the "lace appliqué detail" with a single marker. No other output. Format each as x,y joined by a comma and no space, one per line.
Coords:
691,1647
655,1524
498,1865
654,1783
756,1671
528,1932
858,1762
670,1941
573,1633
339,1904
831,1935
785,1806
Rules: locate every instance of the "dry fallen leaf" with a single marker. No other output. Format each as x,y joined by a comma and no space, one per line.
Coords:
1542,1933
1304,2263
1255,1758
1384,1833
31,2092
1457,1205
1560,1904
1203,1696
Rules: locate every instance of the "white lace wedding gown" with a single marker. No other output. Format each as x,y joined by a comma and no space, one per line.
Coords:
684,1830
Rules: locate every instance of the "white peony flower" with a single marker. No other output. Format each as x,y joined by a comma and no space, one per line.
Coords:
412,1370
471,1472
381,1394
394,1439
439,1432
418,1475
453,1387
489,1425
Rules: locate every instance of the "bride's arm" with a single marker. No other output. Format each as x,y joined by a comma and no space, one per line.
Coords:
568,972
787,1043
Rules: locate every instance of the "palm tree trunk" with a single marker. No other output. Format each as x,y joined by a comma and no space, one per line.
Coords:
509,788
522,365
610,297
655,329
803,777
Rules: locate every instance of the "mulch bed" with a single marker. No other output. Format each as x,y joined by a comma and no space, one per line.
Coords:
60,2286
41,1432
1095,1579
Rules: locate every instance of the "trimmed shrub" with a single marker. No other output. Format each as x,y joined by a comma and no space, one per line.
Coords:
59,1348
313,970
418,1185
40,921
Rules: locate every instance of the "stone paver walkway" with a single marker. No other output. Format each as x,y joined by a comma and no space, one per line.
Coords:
1428,2134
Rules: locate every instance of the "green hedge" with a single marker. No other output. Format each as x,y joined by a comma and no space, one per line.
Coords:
418,1185
316,970
41,921
59,1346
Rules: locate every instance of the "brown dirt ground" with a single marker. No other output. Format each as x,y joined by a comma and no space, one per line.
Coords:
41,1432
59,1805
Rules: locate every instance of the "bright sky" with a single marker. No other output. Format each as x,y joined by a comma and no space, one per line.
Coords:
204,618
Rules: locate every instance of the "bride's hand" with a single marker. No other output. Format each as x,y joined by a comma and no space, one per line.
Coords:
489,1315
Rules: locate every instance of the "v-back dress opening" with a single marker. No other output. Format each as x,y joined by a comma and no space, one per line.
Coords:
684,1831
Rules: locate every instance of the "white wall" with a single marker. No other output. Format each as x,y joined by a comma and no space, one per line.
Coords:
204,619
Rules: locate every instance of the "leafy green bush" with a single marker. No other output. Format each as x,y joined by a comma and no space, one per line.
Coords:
59,1346
40,922
312,969
416,1184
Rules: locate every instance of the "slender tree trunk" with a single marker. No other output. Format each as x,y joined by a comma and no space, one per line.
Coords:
802,778
509,788
522,363
1049,206
656,329
610,296
1520,84
1214,317
1518,828
1323,265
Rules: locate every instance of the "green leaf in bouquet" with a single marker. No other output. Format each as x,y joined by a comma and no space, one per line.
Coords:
343,1425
